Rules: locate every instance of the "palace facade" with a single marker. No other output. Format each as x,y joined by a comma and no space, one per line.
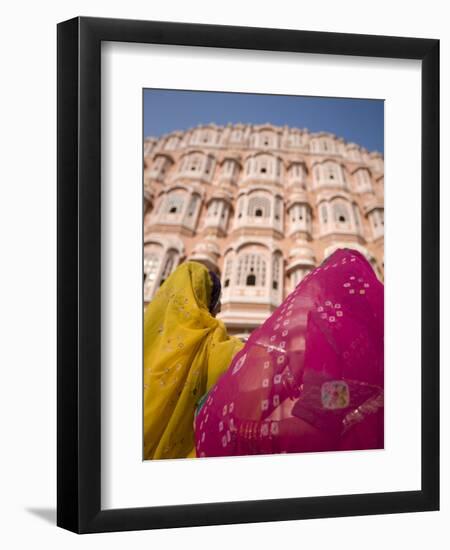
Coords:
260,205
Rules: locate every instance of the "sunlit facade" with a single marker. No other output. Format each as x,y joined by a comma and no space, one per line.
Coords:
261,206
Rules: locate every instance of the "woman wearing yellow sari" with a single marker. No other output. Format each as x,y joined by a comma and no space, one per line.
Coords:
186,349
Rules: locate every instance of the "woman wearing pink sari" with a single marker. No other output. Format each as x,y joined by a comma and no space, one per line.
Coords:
311,378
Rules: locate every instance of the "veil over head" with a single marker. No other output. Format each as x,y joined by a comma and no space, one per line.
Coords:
186,349
311,378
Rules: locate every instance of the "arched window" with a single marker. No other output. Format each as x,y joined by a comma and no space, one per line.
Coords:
259,207
174,203
363,180
193,206
341,214
300,217
160,166
251,270
293,212
263,165
196,163
324,213
331,171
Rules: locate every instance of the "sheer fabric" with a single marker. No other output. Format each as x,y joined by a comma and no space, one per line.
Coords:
186,349
311,377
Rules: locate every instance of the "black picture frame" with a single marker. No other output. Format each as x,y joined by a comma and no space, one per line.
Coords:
79,280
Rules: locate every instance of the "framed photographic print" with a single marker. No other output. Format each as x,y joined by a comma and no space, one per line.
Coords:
248,259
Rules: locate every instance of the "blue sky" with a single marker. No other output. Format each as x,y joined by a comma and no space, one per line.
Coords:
357,120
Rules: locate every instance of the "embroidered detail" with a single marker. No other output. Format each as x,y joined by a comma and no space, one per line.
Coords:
335,394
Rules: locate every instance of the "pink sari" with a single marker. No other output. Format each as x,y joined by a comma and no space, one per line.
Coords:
311,377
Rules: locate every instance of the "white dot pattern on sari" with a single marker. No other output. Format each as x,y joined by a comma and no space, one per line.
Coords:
259,424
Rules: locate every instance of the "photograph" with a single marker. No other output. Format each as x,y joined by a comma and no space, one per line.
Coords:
263,274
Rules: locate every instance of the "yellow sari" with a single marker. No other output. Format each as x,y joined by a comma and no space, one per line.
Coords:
185,351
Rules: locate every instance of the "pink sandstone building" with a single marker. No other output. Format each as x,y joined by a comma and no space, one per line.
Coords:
260,205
